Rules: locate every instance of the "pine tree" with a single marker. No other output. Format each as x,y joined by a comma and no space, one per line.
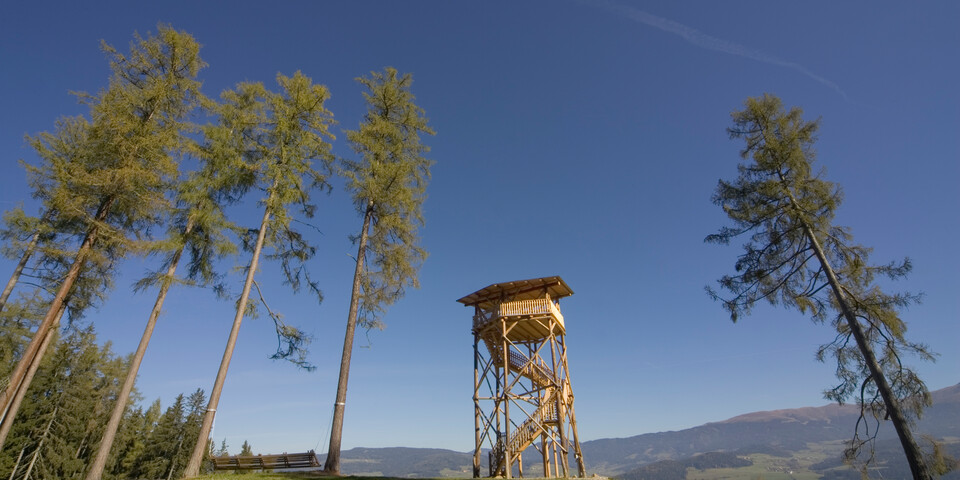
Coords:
162,444
196,405
245,449
279,135
117,183
794,255
388,185
131,439
223,451
61,409
90,288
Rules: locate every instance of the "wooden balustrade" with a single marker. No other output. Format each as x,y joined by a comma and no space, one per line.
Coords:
519,308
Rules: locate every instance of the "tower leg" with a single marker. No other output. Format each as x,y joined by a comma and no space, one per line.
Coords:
507,451
545,449
477,412
576,443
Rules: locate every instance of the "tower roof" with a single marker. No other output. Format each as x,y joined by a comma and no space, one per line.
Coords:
518,290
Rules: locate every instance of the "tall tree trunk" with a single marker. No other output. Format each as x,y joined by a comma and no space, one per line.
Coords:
332,463
36,453
106,443
30,355
11,415
193,466
900,423
173,459
19,269
16,465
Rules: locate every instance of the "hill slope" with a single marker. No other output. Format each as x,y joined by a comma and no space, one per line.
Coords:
784,430
777,434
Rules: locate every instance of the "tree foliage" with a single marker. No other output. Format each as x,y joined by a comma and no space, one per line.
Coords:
109,175
795,256
279,136
282,140
388,185
389,179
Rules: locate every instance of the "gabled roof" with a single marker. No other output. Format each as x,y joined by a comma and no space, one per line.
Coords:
518,290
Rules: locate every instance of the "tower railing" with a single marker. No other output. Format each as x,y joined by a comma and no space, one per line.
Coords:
517,308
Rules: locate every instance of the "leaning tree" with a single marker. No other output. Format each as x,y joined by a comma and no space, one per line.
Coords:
388,184
794,255
115,186
282,139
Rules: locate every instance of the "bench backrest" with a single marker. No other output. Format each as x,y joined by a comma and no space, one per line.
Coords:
266,462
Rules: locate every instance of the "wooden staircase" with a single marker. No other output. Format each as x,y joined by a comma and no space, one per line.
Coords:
523,436
541,376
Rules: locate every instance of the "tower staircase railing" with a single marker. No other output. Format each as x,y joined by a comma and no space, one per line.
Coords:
539,373
526,433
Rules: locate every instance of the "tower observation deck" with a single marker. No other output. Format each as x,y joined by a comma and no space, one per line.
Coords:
522,390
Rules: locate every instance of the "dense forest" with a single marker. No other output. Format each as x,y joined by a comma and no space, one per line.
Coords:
68,404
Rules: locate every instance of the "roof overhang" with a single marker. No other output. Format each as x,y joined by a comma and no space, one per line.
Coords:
518,290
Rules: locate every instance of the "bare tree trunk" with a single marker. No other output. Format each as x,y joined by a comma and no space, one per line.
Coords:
11,415
193,466
332,463
16,465
36,453
106,443
173,461
910,448
30,355
19,269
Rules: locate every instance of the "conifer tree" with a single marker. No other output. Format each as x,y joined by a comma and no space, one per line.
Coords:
17,225
198,227
116,185
90,287
61,409
162,444
245,449
130,443
796,256
388,185
279,136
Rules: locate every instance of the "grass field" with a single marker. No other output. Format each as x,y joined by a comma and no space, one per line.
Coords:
282,476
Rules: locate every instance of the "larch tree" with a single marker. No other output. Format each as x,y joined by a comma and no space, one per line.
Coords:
794,255
116,185
388,184
280,137
27,235
198,226
24,234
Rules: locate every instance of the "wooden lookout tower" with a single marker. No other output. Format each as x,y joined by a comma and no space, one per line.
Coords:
522,395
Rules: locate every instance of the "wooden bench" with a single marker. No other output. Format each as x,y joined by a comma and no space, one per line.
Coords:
266,462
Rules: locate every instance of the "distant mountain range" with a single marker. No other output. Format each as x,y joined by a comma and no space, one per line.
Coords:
783,430
804,438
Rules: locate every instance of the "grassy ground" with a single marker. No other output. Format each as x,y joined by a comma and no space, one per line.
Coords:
281,476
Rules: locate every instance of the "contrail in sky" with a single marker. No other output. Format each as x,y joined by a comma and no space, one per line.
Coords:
702,40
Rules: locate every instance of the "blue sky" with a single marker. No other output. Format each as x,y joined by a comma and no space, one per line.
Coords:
574,138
